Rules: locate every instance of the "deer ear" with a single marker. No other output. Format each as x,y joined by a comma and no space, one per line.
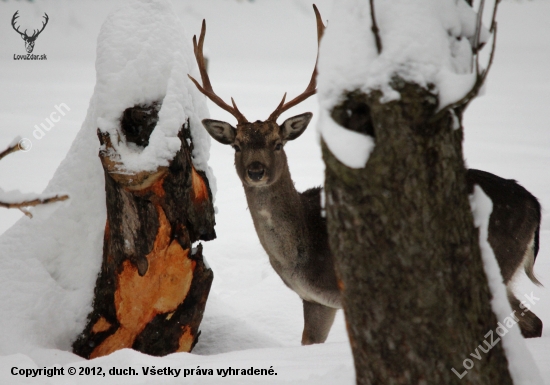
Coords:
221,131
295,126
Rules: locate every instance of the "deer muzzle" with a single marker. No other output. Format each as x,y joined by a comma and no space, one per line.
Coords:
256,172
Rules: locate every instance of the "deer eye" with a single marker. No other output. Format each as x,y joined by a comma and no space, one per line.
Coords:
278,146
237,148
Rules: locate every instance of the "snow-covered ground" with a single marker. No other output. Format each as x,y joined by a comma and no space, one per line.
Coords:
257,50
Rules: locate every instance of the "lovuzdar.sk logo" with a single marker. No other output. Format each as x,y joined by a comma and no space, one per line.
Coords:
29,40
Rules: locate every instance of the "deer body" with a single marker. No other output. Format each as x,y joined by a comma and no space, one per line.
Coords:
294,234
514,228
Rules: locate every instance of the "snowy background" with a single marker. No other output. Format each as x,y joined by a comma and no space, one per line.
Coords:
257,51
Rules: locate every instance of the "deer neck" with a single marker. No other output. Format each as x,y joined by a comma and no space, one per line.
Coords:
279,220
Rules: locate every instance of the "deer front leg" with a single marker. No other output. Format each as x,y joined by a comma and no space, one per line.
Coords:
318,320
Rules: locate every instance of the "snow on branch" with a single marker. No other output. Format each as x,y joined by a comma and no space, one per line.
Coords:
432,43
481,75
16,200
31,203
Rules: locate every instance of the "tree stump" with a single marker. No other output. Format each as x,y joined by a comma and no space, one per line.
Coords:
153,285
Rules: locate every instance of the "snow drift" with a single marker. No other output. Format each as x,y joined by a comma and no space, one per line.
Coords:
49,265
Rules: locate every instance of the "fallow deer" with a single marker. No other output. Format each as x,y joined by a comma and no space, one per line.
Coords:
289,224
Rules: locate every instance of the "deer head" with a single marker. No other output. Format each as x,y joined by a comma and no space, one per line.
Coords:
29,40
260,159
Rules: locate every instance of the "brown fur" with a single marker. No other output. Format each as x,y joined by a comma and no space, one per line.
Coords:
513,234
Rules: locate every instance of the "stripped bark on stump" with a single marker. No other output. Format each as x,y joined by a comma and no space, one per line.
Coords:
153,285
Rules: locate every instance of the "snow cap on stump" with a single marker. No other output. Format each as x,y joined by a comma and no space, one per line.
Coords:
144,56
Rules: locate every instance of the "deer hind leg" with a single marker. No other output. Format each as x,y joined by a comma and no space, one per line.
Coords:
529,323
318,320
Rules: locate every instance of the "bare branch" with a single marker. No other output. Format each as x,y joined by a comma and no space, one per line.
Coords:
34,202
494,18
10,150
375,29
479,25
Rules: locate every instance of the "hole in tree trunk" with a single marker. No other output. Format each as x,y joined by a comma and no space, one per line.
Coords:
138,123
355,115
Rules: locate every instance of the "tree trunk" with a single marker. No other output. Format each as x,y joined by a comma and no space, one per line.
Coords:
152,289
407,255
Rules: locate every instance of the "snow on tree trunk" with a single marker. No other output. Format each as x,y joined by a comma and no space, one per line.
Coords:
415,295
153,284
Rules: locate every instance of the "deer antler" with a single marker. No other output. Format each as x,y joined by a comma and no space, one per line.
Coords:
15,17
206,87
311,88
35,34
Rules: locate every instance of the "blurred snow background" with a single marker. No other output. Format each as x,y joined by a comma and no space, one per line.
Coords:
257,50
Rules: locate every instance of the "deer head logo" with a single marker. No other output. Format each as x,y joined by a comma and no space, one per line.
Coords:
29,40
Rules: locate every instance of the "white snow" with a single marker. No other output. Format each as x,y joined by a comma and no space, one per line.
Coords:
352,148
251,318
425,42
520,362
54,272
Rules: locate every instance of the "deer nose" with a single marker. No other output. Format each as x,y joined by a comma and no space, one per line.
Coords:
256,171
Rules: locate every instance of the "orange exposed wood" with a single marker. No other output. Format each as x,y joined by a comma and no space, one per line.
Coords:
101,325
163,287
123,338
186,340
199,187
156,188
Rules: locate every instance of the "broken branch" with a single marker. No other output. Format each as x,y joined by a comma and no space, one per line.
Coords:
10,150
480,75
31,203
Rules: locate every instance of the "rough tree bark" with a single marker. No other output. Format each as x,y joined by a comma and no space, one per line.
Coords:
401,230
152,288
415,294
